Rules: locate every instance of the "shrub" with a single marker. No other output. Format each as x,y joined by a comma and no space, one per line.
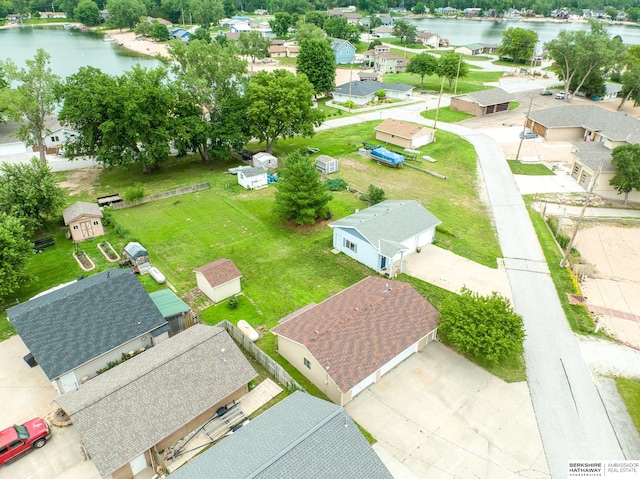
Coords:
233,302
134,193
336,184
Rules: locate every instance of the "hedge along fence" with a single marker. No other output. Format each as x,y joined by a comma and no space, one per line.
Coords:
272,367
159,196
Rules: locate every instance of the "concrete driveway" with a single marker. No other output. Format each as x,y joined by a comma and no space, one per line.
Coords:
439,415
27,393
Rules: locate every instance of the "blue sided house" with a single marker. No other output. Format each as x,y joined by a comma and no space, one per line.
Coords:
343,51
383,234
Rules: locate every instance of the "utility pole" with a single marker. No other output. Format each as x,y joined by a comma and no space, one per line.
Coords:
455,90
435,122
563,262
524,127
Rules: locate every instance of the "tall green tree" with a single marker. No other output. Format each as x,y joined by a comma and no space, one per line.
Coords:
87,12
631,77
317,62
206,12
452,66
281,23
301,198
211,75
33,99
125,13
315,17
626,160
202,34
280,105
15,251
423,64
484,327
29,192
309,31
518,44
578,53
254,45
404,30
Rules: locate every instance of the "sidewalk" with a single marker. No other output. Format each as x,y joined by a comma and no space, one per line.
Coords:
591,212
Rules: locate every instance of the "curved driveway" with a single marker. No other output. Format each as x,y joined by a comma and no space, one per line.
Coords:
571,416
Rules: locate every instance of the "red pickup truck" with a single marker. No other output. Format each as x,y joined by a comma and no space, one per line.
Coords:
17,440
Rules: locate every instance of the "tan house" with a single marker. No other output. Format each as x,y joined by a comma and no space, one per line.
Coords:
130,414
277,51
481,103
352,339
404,134
84,220
219,280
292,50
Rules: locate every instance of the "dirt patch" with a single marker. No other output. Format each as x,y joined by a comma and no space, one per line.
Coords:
352,164
80,180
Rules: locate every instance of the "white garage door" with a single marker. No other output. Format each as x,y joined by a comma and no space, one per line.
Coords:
369,380
139,464
398,359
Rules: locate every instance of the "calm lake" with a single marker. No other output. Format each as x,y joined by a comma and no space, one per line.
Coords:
462,32
69,50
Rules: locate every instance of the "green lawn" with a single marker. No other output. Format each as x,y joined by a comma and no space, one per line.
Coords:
446,115
475,81
396,41
629,389
535,169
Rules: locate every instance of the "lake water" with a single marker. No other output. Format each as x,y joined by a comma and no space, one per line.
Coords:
462,32
69,50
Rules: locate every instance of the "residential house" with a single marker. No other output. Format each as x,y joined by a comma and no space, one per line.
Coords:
77,329
53,15
265,159
364,92
234,36
178,314
180,34
382,235
383,31
352,18
239,26
481,103
349,341
403,134
448,11
477,48
368,76
382,60
343,51
292,50
594,132
260,11
306,435
128,415
612,91
471,12
430,39
219,280
84,220
386,19
253,178
277,51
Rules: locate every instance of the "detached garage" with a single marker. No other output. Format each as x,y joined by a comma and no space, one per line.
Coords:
480,103
349,341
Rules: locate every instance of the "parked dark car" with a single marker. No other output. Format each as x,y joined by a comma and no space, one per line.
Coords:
546,92
528,134
17,440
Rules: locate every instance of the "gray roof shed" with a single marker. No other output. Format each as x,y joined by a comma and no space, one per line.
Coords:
489,97
75,324
132,407
80,208
307,437
135,250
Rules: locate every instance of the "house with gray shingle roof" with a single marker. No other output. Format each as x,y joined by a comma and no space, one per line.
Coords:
349,341
84,220
308,438
382,235
477,48
75,330
364,92
126,416
480,103
219,280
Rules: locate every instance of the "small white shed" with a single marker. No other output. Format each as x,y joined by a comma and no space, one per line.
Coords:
265,159
326,164
253,178
219,280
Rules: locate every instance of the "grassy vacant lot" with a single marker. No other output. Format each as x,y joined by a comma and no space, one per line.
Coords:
629,389
473,82
536,169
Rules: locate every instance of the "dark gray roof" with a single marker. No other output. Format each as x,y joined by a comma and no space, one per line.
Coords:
132,407
489,97
616,126
392,222
74,324
80,208
253,171
300,437
364,88
591,154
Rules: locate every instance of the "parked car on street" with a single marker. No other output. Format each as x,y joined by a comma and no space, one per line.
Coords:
18,440
528,134
546,92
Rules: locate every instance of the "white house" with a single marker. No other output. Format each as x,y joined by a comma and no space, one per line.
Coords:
219,280
383,234
239,27
253,178
265,159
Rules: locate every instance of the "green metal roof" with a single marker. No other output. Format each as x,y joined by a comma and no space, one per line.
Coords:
168,303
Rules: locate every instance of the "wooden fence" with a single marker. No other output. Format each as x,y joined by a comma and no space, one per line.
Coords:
272,367
167,194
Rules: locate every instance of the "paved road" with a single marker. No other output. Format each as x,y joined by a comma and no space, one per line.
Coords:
571,416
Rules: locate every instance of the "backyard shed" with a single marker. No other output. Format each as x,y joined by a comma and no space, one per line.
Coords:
326,164
138,256
404,134
253,178
178,314
84,220
265,159
219,280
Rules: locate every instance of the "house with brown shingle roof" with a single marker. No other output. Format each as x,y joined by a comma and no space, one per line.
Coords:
404,134
349,341
276,51
219,280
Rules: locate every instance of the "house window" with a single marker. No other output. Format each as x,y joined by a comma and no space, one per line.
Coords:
350,245
75,227
96,223
576,169
55,138
307,363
